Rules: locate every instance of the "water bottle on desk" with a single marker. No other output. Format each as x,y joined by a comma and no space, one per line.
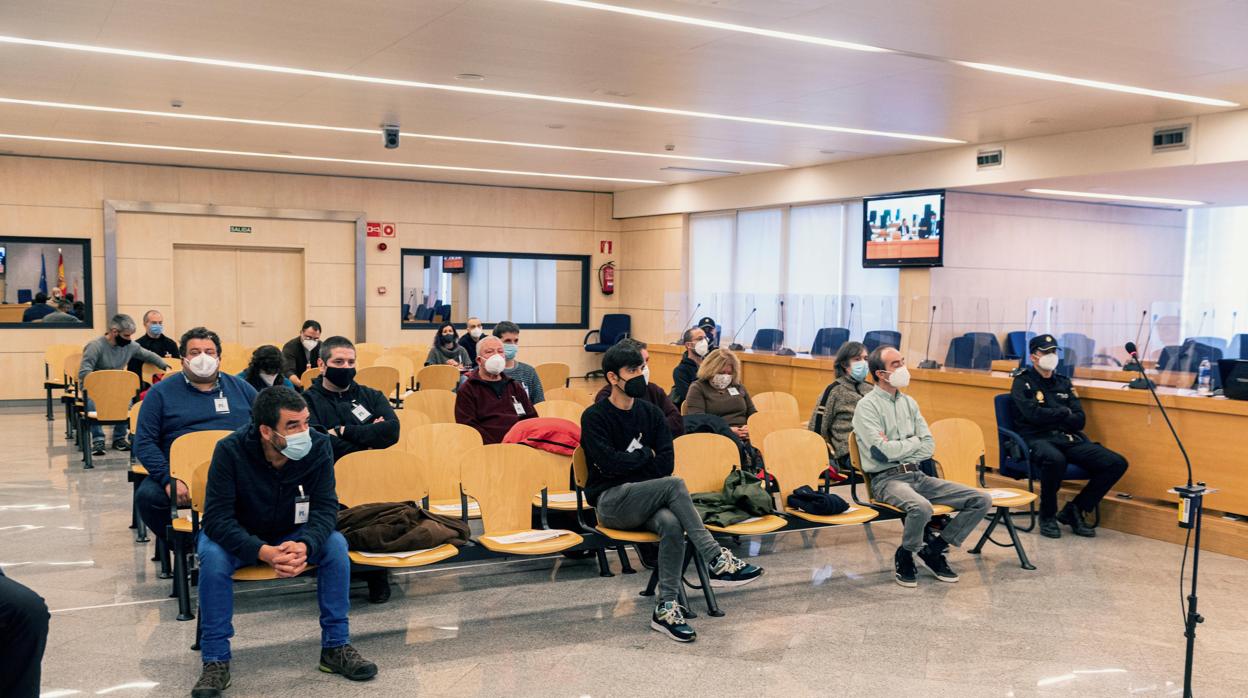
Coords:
1204,380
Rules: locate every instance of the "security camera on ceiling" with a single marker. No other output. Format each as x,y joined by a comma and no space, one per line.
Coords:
390,135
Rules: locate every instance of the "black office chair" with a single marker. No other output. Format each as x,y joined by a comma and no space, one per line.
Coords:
876,338
615,326
828,341
768,340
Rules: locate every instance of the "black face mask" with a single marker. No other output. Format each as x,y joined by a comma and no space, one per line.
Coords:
120,341
339,375
634,387
448,340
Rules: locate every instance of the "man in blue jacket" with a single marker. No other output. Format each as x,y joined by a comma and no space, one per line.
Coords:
200,399
271,500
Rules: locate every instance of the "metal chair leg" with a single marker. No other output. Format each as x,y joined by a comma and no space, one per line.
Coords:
199,630
181,580
652,584
604,568
1018,545
996,518
86,449
704,576
49,394
162,552
625,566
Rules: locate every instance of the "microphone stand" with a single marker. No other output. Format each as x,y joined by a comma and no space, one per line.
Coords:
1134,365
927,361
1191,514
733,344
686,325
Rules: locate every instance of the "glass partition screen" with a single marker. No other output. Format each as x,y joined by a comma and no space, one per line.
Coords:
45,282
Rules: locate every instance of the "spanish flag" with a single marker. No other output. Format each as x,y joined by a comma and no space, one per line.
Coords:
60,272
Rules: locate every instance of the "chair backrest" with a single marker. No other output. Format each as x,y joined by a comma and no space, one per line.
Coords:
553,374
703,461
1187,357
369,346
134,416
1215,342
563,409
365,358
503,479
1016,344
54,359
959,449
1082,345
795,457
437,377
198,484
580,468
368,477
573,394
876,338
308,376
441,446
438,405
111,391
189,450
234,349
828,341
777,401
615,326
960,353
234,363
1238,347
382,378
400,363
408,420
1002,406
855,461
768,339
763,423
987,348
149,371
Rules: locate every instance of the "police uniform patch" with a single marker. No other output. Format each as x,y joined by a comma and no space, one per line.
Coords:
1039,396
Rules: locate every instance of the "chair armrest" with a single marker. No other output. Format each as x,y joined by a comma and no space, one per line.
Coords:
545,522
1010,435
590,334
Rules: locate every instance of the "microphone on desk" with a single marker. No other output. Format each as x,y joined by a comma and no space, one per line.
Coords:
1143,381
733,344
1135,365
783,350
686,325
927,361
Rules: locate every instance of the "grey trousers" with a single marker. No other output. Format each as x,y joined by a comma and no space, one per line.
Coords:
662,506
915,493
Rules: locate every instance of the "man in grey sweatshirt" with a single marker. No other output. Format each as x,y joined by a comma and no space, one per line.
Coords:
113,352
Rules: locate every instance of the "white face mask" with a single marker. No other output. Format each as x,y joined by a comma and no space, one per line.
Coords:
495,364
203,366
899,378
702,348
268,378
645,372
1048,362
308,344
475,332
721,380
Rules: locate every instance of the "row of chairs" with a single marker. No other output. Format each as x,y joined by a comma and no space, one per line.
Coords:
828,340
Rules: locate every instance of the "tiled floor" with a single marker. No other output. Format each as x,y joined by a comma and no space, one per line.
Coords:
1098,618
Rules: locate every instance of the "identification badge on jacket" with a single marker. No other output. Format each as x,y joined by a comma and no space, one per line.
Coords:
361,413
222,405
301,507
518,407
733,392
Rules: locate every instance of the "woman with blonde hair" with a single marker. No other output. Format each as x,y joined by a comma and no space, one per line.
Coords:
718,391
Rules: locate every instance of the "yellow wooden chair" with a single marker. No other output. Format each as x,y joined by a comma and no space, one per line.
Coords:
437,377
234,364
408,420
960,452
235,349
502,478
111,392
776,401
797,457
704,461
72,393
374,347
444,445
187,453
763,423
563,409
402,364
150,371
576,395
384,379
135,476
855,460
438,405
54,369
308,376
369,477
366,357
553,374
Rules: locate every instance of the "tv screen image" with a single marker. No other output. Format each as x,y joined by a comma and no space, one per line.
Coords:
453,265
904,230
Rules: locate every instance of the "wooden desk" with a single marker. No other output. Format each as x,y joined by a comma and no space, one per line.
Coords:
11,312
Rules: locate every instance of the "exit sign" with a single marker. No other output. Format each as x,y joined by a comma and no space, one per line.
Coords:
240,229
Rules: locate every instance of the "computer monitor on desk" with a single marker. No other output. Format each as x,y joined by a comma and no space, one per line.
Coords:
1234,375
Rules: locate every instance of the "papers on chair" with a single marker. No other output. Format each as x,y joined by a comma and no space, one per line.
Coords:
402,556
473,508
851,509
752,519
569,497
1001,494
534,536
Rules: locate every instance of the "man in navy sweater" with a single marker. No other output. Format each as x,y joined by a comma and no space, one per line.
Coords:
628,448
201,398
271,500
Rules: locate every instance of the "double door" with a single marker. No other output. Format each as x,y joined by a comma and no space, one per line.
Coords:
247,295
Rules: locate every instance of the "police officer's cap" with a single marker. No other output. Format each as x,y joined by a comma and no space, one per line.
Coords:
1043,342
706,323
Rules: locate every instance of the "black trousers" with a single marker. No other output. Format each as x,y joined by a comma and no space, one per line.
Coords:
23,636
1051,456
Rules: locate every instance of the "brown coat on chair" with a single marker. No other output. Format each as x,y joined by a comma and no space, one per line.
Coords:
395,527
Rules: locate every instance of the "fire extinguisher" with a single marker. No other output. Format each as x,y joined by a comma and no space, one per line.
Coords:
606,278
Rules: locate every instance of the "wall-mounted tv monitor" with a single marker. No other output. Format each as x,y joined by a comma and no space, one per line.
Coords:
904,230
452,265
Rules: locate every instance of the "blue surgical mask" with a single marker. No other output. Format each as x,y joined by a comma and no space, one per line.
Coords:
858,370
298,445
509,351
155,330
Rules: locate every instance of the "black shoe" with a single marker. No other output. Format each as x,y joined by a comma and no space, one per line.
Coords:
214,679
347,661
97,448
378,587
669,618
649,555
1049,528
903,565
121,445
936,562
728,570
1070,516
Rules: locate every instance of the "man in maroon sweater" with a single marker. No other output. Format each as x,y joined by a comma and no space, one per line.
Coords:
654,394
489,401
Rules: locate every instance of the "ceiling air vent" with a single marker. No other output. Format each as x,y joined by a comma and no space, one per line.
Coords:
1172,138
986,159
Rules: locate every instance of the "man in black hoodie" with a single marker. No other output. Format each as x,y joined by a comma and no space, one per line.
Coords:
271,499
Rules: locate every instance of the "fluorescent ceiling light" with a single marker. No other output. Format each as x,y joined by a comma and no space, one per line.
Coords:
314,158
1117,197
284,70
835,43
370,131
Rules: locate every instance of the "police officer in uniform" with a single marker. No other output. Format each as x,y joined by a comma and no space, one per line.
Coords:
1048,416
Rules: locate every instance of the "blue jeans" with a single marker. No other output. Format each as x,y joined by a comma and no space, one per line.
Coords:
216,593
97,431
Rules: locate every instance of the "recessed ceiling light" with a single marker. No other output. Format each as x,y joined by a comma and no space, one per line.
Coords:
372,132
1039,120
555,127
470,77
854,46
314,158
1117,197
612,93
464,89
